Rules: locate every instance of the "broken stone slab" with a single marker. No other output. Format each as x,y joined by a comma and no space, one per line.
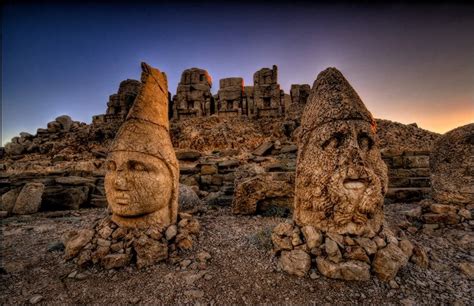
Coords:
289,149
446,218
190,155
74,180
263,149
228,164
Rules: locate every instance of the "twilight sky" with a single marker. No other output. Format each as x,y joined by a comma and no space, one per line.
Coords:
408,63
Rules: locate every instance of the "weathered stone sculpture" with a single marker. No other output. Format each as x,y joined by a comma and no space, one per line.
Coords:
452,177
340,183
267,96
142,176
230,97
452,167
341,178
141,185
193,97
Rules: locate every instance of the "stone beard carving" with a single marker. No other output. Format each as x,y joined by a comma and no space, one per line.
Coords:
341,179
141,182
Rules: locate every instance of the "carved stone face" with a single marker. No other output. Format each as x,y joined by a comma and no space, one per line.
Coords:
341,179
137,185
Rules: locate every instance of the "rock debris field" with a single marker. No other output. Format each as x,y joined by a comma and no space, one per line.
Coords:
232,262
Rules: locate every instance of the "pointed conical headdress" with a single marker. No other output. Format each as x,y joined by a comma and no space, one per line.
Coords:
333,98
146,128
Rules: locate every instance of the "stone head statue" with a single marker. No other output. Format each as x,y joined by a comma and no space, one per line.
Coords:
142,176
341,179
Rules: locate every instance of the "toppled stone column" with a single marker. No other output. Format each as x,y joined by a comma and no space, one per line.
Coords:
141,186
340,183
193,97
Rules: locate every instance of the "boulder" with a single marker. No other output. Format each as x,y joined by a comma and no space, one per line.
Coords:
313,237
65,122
187,199
9,199
112,261
29,199
75,244
296,262
332,250
420,257
451,165
149,251
347,270
12,148
388,261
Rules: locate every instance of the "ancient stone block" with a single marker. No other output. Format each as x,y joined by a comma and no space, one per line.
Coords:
29,199
341,178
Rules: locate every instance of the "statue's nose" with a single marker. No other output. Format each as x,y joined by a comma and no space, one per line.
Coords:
121,182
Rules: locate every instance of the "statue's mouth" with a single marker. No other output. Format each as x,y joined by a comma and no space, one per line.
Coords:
122,200
355,184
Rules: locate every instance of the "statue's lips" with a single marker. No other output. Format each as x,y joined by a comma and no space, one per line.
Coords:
355,184
122,200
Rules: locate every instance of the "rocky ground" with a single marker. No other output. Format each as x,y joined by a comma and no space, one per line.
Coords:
240,269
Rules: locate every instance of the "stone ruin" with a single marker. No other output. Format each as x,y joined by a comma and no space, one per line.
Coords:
230,98
452,179
267,95
300,93
119,103
141,185
233,99
193,97
341,181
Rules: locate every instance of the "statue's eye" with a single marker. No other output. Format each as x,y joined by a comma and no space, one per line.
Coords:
111,166
365,142
136,165
336,140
